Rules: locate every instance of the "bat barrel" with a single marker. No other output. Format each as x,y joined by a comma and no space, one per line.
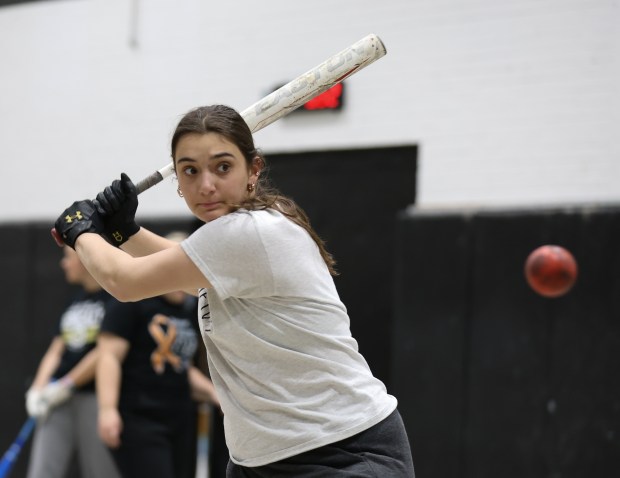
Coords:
298,91
314,82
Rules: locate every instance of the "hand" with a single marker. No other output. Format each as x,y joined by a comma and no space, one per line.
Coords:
35,405
57,392
110,426
117,205
79,218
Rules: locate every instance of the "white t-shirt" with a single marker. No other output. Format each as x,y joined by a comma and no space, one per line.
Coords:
286,368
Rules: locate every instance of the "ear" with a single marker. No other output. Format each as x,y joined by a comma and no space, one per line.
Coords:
257,166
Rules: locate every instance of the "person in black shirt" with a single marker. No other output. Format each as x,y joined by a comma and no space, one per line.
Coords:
62,395
146,381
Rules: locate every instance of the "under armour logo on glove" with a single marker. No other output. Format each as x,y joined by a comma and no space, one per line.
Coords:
77,216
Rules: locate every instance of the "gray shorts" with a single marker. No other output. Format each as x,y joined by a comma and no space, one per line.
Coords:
71,428
381,451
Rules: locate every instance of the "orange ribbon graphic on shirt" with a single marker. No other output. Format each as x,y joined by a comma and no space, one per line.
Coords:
164,340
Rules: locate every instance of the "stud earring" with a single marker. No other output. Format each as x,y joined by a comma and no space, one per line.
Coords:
179,192
250,187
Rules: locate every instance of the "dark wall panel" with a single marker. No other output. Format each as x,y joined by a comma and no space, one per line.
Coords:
508,349
429,336
17,293
538,395
582,432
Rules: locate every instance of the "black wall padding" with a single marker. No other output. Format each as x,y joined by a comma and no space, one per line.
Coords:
494,380
430,322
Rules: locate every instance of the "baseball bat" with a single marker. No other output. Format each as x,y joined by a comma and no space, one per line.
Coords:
297,92
10,456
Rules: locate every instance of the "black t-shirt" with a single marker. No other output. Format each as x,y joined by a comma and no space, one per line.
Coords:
163,340
78,327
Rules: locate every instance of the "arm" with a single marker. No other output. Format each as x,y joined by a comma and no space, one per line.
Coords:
82,373
145,242
84,370
43,394
57,392
112,353
49,363
125,277
36,405
201,387
130,279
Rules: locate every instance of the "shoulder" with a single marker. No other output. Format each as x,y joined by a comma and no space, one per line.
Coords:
245,239
246,218
241,226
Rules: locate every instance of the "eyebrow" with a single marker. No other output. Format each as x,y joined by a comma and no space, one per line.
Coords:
223,154
216,156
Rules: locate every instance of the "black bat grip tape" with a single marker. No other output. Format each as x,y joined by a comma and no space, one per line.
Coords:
149,182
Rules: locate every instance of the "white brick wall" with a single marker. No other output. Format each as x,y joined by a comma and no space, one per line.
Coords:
513,103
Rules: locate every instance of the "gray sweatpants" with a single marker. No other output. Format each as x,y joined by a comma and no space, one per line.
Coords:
71,428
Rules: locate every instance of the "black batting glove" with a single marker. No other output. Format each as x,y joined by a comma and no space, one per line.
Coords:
81,217
117,205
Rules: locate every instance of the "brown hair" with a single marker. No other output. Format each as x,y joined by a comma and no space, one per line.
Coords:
227,122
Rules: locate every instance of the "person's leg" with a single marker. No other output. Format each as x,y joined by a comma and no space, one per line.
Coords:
52,444
183,444
94,457
145,449
385,448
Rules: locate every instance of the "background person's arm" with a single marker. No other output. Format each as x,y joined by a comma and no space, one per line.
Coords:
112,353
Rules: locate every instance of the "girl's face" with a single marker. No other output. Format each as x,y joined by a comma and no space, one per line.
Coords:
213,174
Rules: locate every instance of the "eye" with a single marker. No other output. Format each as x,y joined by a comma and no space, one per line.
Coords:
189,170
223,167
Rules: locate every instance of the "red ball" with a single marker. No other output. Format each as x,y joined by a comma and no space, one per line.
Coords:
551,270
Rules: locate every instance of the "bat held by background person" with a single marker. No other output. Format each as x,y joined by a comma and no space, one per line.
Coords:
297,92
10,456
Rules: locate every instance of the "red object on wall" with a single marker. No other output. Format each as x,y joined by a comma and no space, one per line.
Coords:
328,100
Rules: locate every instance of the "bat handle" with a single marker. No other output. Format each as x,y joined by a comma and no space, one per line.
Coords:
155,178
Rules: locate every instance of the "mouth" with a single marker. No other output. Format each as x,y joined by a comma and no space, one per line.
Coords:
209,206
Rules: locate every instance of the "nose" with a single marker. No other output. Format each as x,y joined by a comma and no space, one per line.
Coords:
207,183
